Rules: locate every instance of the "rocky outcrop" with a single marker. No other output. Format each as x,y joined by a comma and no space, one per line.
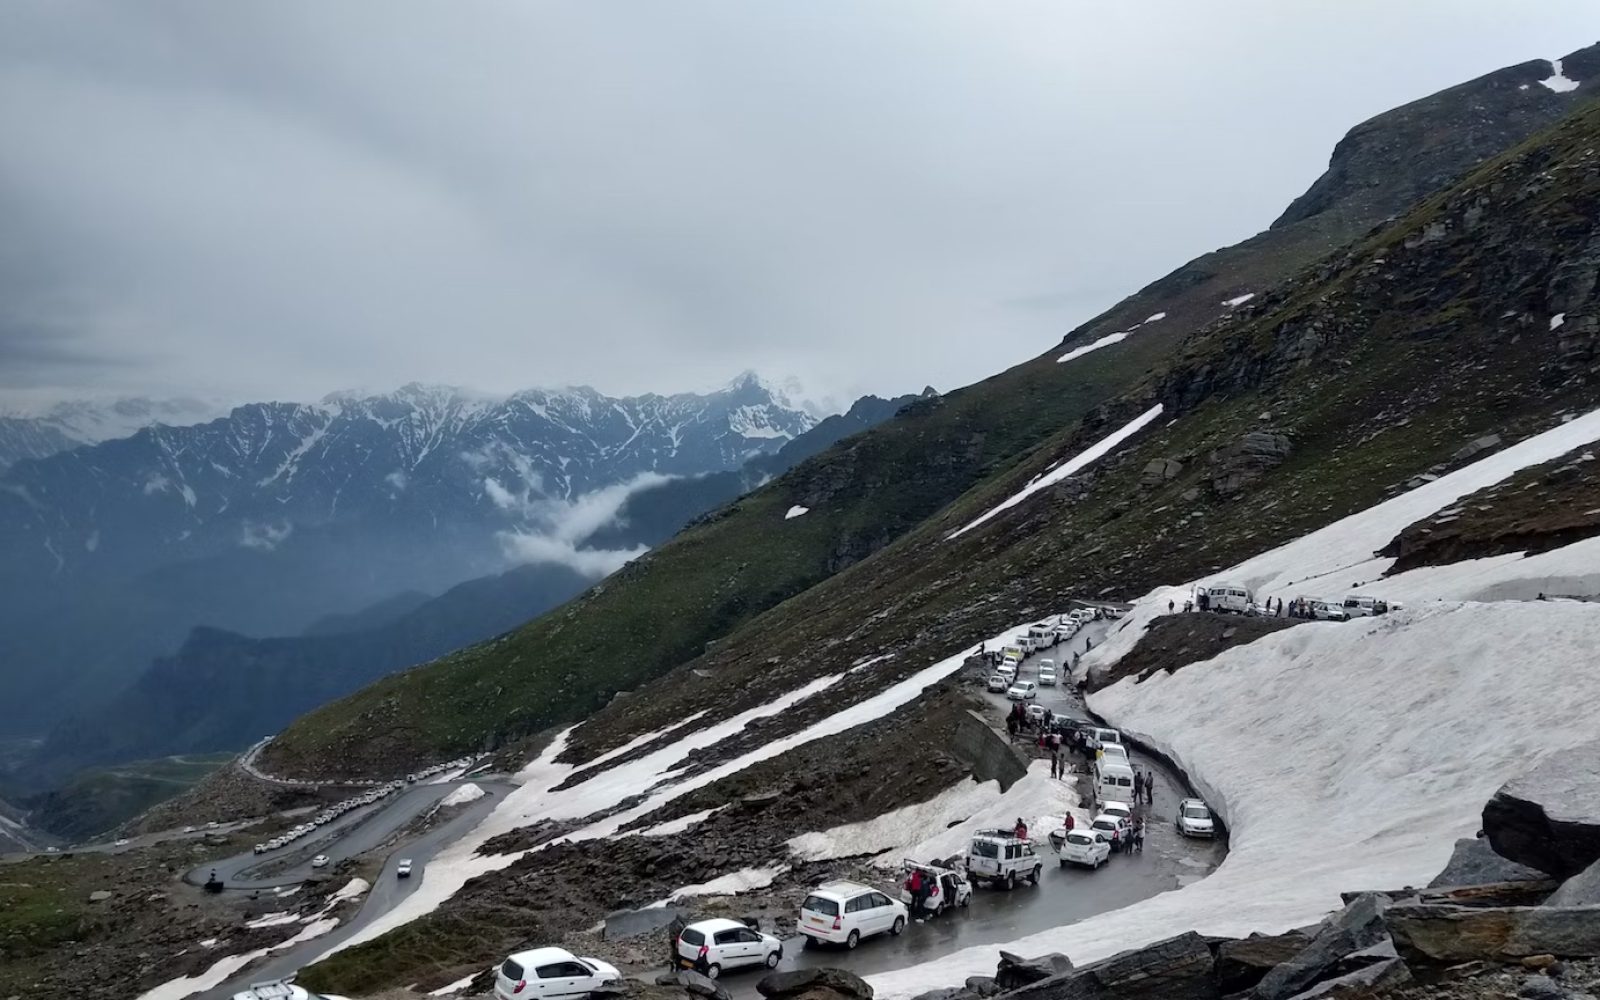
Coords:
1159,470
1444,933
1179,968
1358,926
1549,817
1242,963
814,984
1474,862
987,751
1246,459
694,983
1582,889
1015,971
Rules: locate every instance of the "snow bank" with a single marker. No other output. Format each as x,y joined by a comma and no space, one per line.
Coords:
1558,80
273,920
455,987
731,884
350,890
538,798
1079,461
1156,318
469,792
1238,300
1343,756
956,813
1106,341
220,970
796,511
1557,321
680,824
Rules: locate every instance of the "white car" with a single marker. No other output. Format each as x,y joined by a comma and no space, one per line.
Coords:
1084,847
1007,669
998,684
1325,611
1067,629
1036,712
320,861
1022,691
714,946
1047,674
403,870
551,974
280,990
845,912
1194,819
1115,751
1112,827
1121,809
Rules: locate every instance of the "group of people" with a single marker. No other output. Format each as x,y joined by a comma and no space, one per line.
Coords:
1018,722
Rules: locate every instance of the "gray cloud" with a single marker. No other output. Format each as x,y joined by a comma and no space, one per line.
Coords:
284,198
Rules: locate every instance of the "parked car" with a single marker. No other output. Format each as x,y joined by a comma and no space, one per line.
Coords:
1121,809
260,849
945,887
1229,597
1325,611
1000,858
1085,847
320,861
403,869
1022,691
1112,827
1047,673
1067,629
1007,670
845,912
1195,820
1036,712
551,974
712,947
281,990
1357,606
1114,751
998,683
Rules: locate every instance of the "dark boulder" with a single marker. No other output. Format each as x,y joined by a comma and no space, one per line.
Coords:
1179,968
1359,925
1549,817
1474,862
695,983
1582,889
1379,975
1445,933
1014,970
799,982
1241,963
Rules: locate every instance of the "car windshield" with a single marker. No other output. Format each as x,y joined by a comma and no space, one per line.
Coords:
1197,812
821,904
985,849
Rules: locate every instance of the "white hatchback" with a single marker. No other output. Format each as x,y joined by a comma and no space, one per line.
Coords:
1084,847
551,974
1194,819
845,912
998,684
713,946
1047,674
1022,691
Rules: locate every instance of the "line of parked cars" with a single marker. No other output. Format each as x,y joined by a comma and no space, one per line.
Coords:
333,812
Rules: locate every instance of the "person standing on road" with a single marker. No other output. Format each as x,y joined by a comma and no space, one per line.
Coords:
1055,765
1150,789
1138,835
673,930
1138,785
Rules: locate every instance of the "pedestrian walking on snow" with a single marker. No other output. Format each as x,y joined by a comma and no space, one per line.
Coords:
1055,766
1170,606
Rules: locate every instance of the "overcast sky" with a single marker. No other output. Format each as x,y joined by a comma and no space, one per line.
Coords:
281,199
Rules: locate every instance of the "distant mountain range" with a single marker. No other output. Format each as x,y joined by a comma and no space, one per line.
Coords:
74,423
222,690
277,514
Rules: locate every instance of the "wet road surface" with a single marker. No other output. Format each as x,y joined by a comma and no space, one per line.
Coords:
1063,896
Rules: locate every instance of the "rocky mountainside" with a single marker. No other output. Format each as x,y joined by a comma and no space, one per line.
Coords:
1219,327
1331,392
278,513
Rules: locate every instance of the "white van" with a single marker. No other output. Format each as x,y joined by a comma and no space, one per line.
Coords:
1104,736
1357,606
1042,635
1229,597
1113,780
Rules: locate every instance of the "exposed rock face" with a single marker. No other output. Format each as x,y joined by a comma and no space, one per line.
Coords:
1241,964
1582,889
1549,817
1446,933
1159,470
1247,458
1475,863
1477,446
1178,968
1384,973
1015,971
1359,925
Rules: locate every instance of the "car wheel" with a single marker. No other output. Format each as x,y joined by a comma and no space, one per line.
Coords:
938,909
773,958
1011,880
899,925
965,902
1063,862
1037,871
853,940
713,970
807,941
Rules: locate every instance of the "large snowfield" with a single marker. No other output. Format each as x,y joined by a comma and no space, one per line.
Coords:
1351,755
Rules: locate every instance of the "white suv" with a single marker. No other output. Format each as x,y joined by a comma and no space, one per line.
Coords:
998,857
281,990
846,912
712,946
551,974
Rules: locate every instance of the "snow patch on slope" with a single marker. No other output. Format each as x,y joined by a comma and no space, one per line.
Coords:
1106,341
1079,461
796,511
1558,80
